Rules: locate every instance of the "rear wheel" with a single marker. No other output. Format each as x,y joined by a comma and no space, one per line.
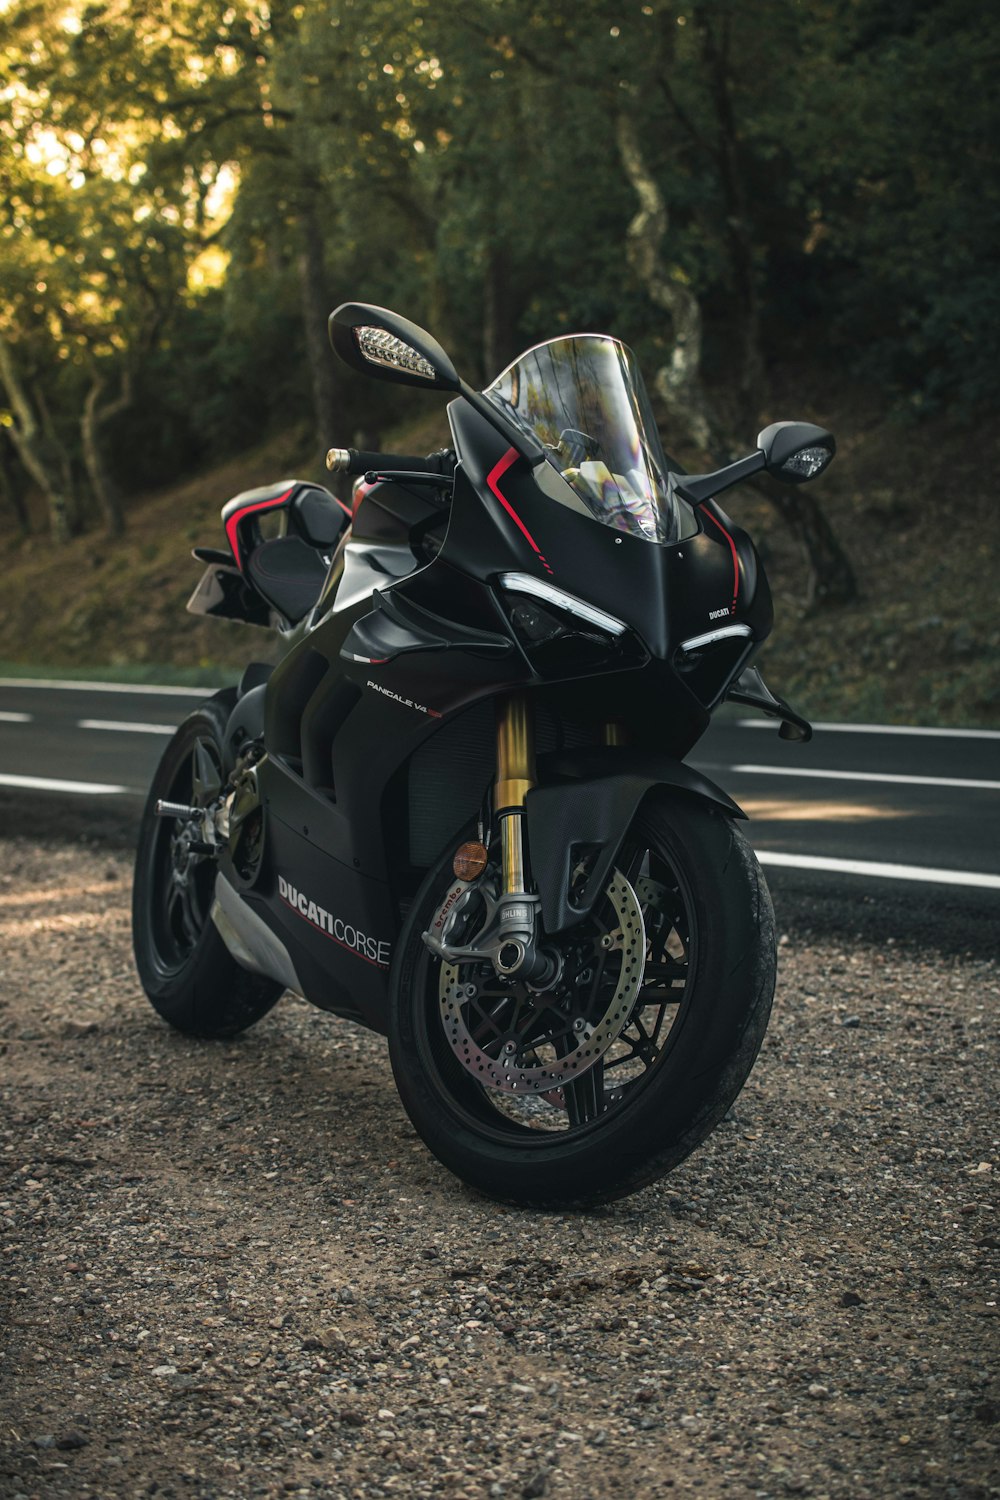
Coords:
189,975
609,1078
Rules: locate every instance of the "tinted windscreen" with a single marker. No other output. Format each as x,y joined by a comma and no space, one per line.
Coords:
584,399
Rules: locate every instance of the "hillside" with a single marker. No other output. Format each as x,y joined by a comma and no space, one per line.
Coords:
913,506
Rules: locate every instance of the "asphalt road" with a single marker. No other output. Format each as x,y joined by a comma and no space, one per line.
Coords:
911,814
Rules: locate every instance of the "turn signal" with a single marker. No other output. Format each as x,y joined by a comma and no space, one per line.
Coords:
470,861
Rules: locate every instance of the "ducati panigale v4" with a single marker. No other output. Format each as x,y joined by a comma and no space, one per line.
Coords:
458,809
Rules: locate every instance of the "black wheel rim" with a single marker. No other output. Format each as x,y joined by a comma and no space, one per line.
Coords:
182,881
617,1080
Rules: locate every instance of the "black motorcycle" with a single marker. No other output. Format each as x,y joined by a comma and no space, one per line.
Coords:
458,810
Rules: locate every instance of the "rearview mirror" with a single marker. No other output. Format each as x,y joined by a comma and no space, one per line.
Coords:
384,344
796,451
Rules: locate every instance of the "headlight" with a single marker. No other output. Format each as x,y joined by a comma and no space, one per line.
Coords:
537,588
563,636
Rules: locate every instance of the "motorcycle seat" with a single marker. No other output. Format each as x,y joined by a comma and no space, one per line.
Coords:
289,574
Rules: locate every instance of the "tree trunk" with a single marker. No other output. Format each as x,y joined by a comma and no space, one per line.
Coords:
36,450
679,381
315,312
498,321
830,575
9,488
60,460
94,417
715,48
831,579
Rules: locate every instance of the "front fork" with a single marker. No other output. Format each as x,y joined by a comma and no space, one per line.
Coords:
514,780
517,917
511,936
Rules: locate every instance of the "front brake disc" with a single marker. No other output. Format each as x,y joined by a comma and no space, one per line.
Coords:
516,1067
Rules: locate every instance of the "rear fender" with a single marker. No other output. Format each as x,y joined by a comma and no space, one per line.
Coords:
591,813
225,593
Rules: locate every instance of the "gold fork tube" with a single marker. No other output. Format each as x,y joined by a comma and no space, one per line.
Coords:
515,753
512,851
514,780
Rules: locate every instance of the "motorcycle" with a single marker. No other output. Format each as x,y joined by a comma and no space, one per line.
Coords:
458,810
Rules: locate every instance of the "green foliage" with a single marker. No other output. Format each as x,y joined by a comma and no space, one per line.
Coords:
900,120
171,170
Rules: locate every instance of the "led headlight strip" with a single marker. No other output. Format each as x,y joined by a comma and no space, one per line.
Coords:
537,588
695,642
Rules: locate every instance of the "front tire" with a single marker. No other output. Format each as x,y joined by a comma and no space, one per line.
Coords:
187,972
679,1062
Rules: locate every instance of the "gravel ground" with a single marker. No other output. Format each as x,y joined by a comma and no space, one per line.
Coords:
233,1270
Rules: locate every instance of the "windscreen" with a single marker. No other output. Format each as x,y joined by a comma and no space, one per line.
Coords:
584,399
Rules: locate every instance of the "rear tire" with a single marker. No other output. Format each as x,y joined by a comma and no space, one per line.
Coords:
188,973
710,941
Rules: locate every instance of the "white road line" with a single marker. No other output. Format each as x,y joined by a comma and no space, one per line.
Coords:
125,726
11,718
53,784
958,734
819,775
882,871
106,687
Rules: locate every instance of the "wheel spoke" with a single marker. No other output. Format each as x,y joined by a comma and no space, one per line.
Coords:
192,917
488,1021
183,914
175,912
654,1037
659,972
585,1096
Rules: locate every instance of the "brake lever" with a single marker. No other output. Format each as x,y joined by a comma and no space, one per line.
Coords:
411,476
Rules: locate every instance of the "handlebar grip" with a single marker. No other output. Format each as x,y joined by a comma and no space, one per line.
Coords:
353,461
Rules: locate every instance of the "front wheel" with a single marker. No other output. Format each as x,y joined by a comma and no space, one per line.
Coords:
606,1080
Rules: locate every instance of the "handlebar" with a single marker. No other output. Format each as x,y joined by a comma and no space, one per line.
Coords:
355,461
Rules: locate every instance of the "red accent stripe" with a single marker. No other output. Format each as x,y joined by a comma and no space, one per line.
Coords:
359,494
736,561
496,473
248,510
345,508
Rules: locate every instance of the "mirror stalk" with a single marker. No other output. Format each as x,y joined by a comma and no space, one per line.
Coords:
697,488
524,443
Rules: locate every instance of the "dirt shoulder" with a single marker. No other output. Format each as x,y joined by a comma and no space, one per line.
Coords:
233,1270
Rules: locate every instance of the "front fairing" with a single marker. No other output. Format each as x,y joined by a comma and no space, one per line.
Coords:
504,519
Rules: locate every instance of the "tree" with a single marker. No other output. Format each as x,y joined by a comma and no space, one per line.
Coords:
93,248
623,64
501,171
679,381
896,115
